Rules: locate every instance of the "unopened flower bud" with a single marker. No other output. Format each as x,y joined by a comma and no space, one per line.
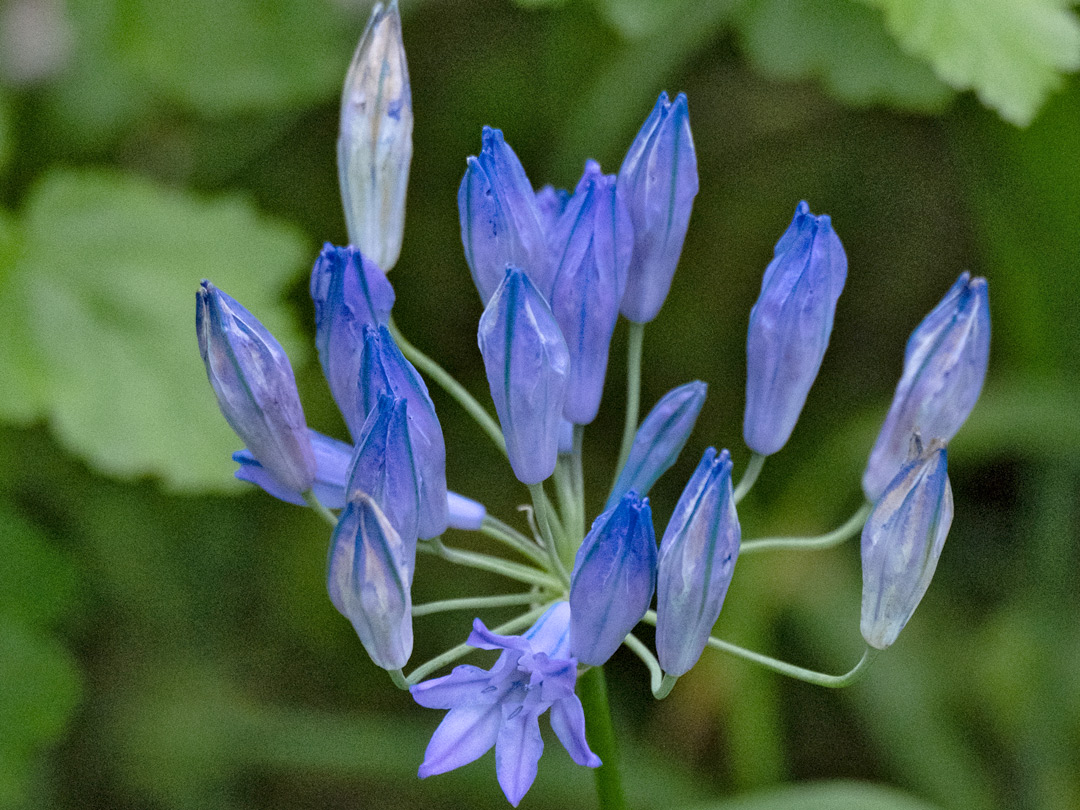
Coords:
696,563
255,387
375,144
790,327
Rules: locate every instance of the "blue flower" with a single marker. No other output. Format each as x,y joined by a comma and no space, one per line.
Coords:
902,541
368,580
350,292
501,707
528,366
384,369
255,387
613,579
697,561
501,223
659,180
789,328
659,440
591,242
375,145
944,367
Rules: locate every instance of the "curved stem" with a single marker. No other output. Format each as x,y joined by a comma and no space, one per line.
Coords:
784,668
497,565
592,689
833,538
398,678
474,603
451,386
635,341
511,537
454,653
753,470
321,510
799,673
661,684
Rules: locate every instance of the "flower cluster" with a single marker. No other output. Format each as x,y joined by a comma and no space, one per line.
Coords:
554,270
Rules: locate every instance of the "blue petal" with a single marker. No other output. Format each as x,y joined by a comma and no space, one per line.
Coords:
517,751
464,735
465,686
568,722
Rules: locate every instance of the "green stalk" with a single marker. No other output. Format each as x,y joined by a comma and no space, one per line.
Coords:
833,538
592,689
445,380
635,341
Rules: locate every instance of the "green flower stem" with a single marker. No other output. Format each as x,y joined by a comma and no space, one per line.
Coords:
592,689
784,668
398,678
661,684
497,565
497,530
454,653
833,538
455,389
564,490
552,542
753,470
635,340
577,478
321,510
475,603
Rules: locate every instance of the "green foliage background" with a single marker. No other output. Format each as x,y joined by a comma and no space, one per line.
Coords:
165,636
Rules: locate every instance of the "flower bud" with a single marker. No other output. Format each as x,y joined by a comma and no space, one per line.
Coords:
332,460
501,224
255,387
591,242
384,370
902,540
350,292
368,581
697,560
944,368
789,328
659,180
660,440
383,467
527,367
375,143
613,580
550,202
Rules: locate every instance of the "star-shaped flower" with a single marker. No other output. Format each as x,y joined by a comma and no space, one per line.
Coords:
501,707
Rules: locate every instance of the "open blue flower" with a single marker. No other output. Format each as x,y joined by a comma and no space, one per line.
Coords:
501,707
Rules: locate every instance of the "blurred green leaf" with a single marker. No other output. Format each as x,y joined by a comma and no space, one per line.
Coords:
825,796
843,44
635,19
39,688
215,58
1010,52
37,582
39,681
105,347
5,131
